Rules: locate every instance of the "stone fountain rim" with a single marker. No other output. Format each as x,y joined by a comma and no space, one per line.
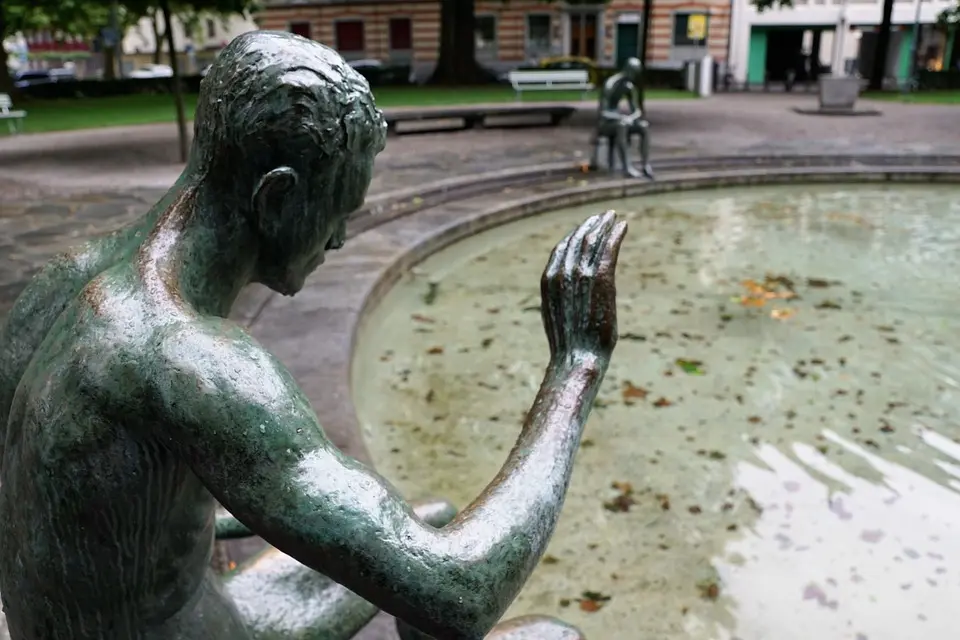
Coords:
839,170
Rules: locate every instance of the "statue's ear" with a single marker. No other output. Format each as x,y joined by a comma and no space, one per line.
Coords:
270,192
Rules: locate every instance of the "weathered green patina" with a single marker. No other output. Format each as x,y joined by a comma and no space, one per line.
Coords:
129,405
617,127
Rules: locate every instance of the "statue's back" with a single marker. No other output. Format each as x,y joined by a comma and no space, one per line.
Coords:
44,299
103,528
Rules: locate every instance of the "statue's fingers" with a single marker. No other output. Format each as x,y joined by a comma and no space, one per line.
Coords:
596,240
611,248
558,255
575,249
550,285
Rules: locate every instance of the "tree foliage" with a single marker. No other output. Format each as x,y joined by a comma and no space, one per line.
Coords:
949,18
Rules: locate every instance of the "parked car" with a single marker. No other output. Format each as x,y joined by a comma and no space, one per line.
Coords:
33,77
152,71
378,73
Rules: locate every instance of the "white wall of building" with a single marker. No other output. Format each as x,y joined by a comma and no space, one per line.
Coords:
822,13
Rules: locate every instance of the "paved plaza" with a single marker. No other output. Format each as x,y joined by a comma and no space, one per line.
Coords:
58,188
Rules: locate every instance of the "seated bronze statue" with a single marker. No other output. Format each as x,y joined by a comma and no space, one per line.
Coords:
130,406
617,128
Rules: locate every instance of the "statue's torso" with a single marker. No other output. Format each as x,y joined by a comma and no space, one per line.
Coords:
104,531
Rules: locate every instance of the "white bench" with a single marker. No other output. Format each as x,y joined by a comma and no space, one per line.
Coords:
14,118
550,80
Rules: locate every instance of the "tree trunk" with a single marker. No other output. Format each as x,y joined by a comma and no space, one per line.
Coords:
457,62
109,63
177,88
882,48
645,32
953,56
157,37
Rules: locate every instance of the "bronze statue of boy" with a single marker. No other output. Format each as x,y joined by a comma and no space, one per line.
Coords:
129,405
618,127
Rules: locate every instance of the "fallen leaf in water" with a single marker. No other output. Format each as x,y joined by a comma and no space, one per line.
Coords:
709,589
435,350
662,402
782,314
632,392
433,288
424,319
664,501
622,502
693,367
592,601
549,559
827,304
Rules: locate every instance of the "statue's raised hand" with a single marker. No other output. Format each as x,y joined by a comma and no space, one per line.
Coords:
579,296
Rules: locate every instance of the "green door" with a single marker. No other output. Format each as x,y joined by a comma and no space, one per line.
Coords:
757,56
628,42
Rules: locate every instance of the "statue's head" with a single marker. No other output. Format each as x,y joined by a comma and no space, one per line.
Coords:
285,135
633,68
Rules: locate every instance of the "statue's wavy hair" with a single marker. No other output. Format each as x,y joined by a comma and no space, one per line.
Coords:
276,99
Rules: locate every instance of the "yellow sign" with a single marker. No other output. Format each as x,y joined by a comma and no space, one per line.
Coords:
697,26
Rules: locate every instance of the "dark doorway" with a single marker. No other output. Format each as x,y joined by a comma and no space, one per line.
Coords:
628,42
784,54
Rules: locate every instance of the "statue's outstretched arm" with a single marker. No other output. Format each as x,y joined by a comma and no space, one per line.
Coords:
251,436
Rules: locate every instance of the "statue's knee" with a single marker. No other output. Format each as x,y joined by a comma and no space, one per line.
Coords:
435,511
535,627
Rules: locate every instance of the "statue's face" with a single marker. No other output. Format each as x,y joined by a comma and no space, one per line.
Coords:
313,221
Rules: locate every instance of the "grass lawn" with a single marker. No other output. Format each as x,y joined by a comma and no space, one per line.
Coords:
919,97
88,113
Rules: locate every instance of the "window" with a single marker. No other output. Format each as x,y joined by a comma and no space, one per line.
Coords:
690,29
401,34
583,35
539,38
301,29
349,36
485,33
211,29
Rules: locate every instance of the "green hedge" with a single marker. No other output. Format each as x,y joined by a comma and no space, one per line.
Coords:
939,80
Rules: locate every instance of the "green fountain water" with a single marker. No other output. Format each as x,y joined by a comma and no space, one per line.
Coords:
774,451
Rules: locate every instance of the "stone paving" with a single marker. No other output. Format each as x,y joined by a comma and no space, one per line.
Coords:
59,187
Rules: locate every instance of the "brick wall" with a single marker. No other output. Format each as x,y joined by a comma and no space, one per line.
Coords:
511,24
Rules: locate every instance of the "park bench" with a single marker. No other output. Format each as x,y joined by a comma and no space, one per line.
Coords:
550,80
437,119
14,118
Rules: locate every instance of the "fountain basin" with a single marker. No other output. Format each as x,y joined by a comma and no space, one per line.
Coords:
775,425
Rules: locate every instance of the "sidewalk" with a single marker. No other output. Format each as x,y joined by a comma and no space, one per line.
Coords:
79,183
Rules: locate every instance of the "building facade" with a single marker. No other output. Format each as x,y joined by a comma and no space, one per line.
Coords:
511,33
763,45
